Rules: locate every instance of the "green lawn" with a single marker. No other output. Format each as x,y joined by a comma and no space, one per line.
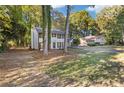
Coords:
91,66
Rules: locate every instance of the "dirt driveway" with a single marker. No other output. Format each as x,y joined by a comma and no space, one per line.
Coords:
25,68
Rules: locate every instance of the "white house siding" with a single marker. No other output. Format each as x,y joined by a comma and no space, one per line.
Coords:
34,39
53,40
100,39
57,40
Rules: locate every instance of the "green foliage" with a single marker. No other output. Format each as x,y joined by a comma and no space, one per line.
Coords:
1,49
58,20
82,21
110,23
16,22
91,44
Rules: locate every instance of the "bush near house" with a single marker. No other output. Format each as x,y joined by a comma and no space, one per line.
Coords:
1,49
76,42
92,44
98,43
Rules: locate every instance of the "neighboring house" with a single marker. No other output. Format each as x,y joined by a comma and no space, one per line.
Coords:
57,39
97,39
100,39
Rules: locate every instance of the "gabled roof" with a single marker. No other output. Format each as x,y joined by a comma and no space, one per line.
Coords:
54,31
93,37
90,37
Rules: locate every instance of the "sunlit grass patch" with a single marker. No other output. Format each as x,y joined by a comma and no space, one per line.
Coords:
118,58
87,69
118,47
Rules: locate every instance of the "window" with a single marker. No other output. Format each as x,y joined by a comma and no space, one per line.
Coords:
62,36
53,35
62,44
59,36
58,45
54,45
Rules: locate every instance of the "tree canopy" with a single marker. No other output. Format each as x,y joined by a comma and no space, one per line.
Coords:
82,21
58,20
110,22
16,23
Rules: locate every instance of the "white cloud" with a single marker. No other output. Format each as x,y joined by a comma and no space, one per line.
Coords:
57,6
97,8
91,9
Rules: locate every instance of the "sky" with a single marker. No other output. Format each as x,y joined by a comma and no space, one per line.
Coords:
92,11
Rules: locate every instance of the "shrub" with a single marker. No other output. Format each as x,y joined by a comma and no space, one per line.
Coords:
97,43
76,42
1,49
91,44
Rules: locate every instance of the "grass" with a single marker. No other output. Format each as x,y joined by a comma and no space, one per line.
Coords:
87,69
86,66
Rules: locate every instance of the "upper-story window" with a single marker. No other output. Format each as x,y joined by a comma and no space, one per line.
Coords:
59,36
53,35
59,45
62,36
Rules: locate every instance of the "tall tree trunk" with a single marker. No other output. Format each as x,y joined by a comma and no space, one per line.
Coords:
45,50
66,29
43,28
49,26
29,32
46,41
30,28
21,32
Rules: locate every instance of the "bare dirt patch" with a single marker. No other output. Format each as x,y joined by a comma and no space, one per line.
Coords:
22,67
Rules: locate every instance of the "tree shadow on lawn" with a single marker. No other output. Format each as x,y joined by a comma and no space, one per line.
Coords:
83,69
26,68
90,69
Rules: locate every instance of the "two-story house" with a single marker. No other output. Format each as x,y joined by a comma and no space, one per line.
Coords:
57,38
